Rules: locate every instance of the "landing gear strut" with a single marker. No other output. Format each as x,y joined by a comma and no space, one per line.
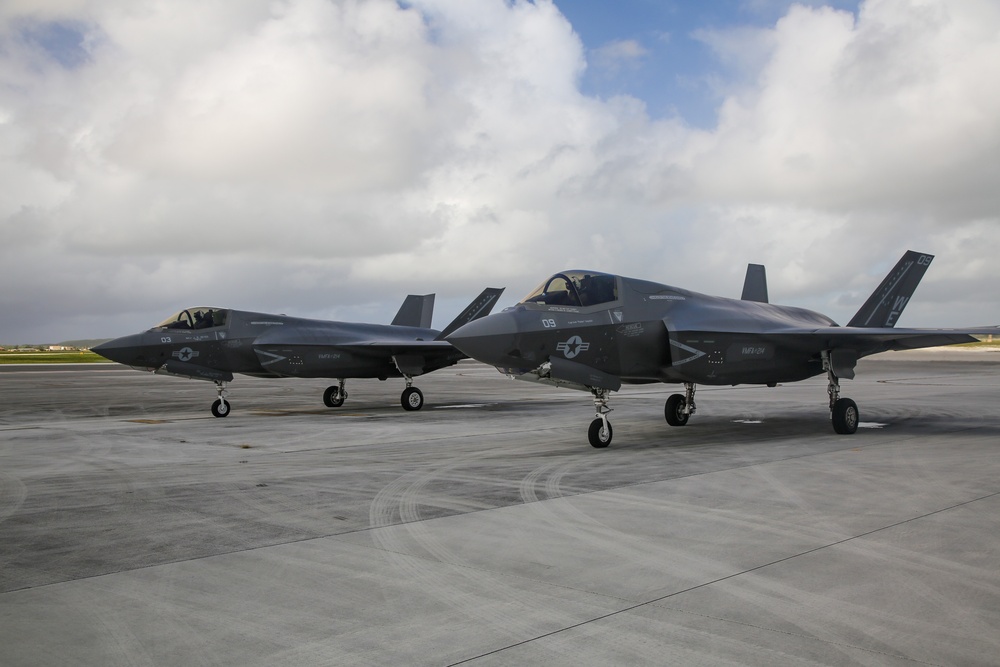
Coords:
600,429
679,408
843,411
221,406
411,398
335,396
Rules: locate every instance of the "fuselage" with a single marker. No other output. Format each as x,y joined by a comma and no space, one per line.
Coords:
642,331
197,341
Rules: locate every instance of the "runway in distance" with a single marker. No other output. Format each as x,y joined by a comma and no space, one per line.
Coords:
595,331
214,343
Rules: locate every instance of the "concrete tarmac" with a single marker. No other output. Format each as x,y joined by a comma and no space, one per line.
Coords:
136,529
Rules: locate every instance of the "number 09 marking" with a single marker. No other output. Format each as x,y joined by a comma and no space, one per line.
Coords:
549,324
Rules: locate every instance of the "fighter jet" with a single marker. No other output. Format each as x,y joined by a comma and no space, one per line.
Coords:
595,331
214,343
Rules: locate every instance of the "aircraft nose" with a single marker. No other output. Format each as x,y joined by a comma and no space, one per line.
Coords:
486,339
126,350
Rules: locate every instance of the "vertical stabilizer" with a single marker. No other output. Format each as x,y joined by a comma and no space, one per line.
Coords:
480,307
755,284
884,306
416,311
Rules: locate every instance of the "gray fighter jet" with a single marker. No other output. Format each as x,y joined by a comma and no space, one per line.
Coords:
214,343
595,331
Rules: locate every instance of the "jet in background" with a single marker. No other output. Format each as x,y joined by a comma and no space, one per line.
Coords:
595,331
214,343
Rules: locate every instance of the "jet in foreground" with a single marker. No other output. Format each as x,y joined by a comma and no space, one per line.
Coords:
595,331
213,343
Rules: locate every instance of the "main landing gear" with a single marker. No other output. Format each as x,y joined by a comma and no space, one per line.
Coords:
335,396
843,411
221,406
679,408
411,398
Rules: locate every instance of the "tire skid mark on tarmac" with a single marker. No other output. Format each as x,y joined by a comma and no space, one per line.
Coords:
648,552
12,494
453,579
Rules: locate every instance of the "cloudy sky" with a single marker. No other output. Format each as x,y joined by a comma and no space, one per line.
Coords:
324,158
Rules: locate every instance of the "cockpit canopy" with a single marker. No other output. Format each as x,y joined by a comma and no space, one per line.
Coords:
575,288
195,318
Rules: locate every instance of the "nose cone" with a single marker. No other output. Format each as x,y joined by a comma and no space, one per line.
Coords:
128,350
487,339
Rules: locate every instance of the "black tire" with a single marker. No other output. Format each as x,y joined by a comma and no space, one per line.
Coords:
332,398
412,399
674,411
599,436
220,408
845,416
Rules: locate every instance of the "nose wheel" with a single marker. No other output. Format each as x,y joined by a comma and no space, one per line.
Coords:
221,406
600,431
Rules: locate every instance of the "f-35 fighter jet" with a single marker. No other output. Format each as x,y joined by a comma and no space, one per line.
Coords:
595,331
214,343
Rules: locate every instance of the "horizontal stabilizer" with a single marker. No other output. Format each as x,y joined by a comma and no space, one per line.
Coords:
885,305
480,307
416,311
755,284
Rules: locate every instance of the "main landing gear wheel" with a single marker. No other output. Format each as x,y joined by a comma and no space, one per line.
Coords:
412,399
845,416
679,407
674,410
600,433
220,408
333,397
843,411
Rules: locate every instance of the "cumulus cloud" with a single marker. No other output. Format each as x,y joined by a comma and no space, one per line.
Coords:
325,158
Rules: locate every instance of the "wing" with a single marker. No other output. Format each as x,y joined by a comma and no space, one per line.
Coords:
848,344
414,357
384,348
868,341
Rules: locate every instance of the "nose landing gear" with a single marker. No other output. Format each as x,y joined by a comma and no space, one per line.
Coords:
221,407
600,432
